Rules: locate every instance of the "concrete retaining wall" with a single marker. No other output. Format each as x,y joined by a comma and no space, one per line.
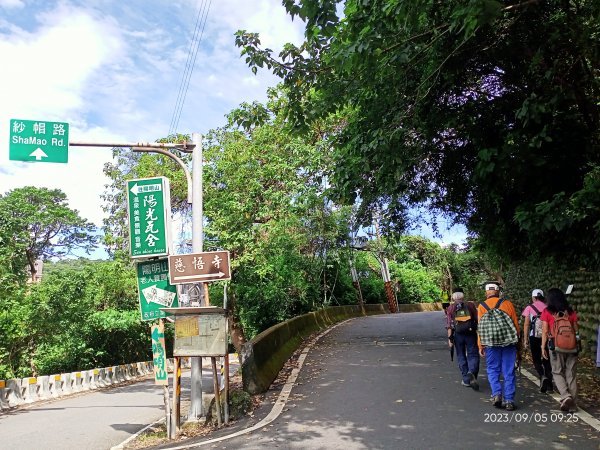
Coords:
264,356
418,307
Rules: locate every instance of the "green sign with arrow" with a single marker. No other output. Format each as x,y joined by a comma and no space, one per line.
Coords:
36,140
149,207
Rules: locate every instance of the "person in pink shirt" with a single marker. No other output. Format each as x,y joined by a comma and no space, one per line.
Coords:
564,364
532,332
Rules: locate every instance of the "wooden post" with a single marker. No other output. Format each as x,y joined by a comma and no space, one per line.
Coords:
213,361
167,409
176,397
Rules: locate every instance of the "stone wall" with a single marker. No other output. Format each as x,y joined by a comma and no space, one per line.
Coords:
521,279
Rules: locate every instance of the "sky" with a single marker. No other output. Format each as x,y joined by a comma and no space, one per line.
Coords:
112,70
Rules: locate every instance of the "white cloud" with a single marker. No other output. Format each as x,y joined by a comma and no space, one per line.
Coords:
112,70
11,4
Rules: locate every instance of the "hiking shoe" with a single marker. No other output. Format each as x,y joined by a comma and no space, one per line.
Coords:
497,401
462,382
509,406
567,404
473,382
544,385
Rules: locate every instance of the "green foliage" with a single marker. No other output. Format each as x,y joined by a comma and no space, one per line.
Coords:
37,223
468,108
82,315
130,165
265,203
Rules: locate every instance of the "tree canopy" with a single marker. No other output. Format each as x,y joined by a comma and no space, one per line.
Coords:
37,223
481,110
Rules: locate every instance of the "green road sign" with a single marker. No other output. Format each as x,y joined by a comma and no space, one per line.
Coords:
159,354
149,207
154,289
34,140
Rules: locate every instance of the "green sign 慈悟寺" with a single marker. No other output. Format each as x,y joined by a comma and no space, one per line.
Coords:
155,291
35,140
149,207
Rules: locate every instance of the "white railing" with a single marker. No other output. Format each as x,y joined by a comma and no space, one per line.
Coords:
21,391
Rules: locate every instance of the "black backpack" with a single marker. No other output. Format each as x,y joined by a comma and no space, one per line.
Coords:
464,322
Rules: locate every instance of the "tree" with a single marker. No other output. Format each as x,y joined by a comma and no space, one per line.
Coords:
265,202
481,110
37,223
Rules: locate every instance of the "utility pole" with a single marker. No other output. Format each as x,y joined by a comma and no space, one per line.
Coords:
194,182
197,246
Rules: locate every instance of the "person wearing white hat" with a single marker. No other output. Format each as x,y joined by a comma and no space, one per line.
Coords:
532,338
498,337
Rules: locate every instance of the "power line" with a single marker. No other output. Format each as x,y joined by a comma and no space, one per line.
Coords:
190,63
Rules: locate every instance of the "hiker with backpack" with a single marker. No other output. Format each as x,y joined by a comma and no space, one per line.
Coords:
498,332
532,339
461,324
560,332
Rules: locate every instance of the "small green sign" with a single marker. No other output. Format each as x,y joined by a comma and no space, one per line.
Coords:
159,354
154,289
35,140
149,207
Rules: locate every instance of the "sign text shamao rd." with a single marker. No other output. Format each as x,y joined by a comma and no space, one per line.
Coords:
199,267
149,208
34,140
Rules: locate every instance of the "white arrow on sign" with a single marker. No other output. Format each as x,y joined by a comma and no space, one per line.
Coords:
204,275
39,154
159,296
153,187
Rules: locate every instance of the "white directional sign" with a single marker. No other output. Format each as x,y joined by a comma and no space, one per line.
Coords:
199,267
154,294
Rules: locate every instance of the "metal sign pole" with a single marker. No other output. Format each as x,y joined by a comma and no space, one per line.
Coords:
226,389
197,240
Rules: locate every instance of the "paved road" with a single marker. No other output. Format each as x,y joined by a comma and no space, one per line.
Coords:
380,382
386,382
94,420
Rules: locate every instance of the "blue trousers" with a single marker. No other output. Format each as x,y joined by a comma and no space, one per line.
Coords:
501,361
467,354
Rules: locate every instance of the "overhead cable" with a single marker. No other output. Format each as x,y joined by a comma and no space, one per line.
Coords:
190,63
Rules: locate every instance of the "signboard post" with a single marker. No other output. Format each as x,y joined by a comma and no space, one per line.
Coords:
35,140
155,291
159,357
199,267
149,211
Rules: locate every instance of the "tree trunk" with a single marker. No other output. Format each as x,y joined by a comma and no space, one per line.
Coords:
235,327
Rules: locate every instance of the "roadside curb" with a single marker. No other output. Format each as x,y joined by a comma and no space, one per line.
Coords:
581,413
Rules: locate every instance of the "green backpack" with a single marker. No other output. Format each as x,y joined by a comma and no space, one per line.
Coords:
496,328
